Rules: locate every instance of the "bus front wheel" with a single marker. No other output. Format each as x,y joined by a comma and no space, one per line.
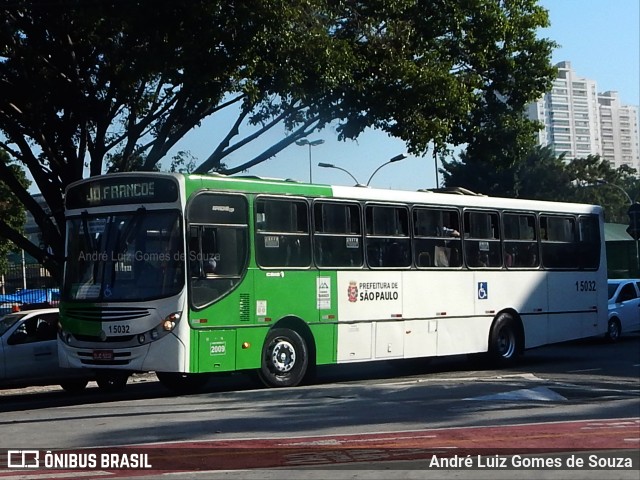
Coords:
504,342
285,359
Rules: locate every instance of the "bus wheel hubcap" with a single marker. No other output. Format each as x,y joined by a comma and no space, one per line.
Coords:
506,344
283,356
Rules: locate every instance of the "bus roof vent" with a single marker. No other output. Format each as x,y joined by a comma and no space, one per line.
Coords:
453,190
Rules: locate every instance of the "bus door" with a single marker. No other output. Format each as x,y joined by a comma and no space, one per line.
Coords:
219,285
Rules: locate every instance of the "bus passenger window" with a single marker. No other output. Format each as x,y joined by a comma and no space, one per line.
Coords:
337,235
283,236
520,240
482,239
559,247
589,242
387,238
436,241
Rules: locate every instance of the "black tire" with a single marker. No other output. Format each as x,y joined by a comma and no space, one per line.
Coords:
505,342
285,359
614,330
74,386
180,383
112,382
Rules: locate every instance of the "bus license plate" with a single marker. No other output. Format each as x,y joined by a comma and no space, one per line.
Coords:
103,355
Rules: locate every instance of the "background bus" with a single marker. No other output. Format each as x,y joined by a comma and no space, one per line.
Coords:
197,274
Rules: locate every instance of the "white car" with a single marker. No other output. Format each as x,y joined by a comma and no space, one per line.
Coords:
624,307
29,352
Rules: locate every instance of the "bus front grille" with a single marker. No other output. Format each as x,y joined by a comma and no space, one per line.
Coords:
106,314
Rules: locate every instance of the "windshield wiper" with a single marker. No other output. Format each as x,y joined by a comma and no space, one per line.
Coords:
130,229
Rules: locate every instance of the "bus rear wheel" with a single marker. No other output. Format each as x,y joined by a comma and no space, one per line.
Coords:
505,342
285,359
183,382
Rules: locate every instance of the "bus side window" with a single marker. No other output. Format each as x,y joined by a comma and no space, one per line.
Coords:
387,236
589,242
282,234
482,239
218,249
337,234
559,248
436,240
520,241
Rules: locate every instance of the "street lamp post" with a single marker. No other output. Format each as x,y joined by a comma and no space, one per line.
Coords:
397,158
331,165
311,143
604,182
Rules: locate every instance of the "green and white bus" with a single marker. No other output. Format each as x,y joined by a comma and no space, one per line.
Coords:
188,275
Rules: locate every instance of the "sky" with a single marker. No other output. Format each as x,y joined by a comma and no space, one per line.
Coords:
601,39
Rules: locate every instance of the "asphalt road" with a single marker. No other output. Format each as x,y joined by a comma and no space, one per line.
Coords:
577,397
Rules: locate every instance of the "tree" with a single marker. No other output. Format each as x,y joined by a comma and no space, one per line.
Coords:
594,180
536,174
540,175
84,83
12,214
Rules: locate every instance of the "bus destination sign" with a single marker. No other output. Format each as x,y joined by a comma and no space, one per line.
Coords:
122,191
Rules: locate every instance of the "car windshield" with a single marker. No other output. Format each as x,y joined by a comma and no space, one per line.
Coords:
8,321
613,286
132,256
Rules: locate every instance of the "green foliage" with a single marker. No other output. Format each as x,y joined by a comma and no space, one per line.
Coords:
183,162
116,85
537,174
12,213
540,175
594,180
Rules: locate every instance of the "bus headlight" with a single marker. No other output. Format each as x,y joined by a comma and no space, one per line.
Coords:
169,323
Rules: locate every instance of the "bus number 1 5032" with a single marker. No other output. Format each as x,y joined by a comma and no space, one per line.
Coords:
586,286
118,329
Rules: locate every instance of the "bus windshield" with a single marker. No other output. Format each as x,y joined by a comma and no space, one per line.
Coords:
129,256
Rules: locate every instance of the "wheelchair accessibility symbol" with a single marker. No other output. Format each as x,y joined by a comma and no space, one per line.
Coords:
483,293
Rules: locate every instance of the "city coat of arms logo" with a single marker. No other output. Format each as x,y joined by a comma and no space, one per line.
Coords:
353,291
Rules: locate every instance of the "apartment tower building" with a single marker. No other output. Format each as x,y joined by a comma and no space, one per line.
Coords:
578,121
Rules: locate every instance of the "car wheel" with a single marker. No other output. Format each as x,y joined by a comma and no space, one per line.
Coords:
613,330
74,386
112,382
